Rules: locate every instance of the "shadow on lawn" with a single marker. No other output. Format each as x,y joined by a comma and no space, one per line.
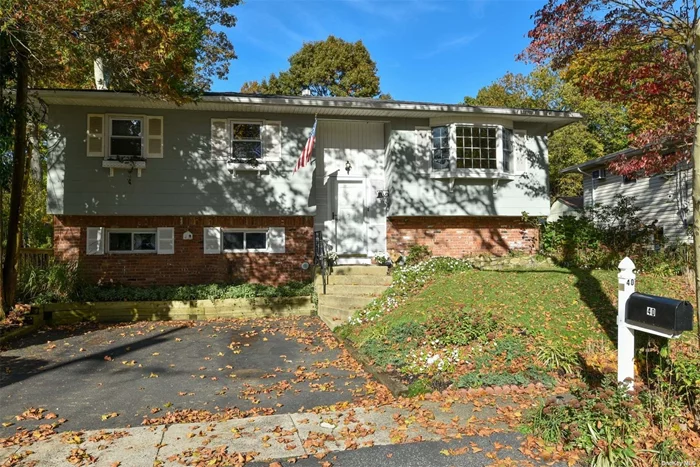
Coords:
17,368
591,293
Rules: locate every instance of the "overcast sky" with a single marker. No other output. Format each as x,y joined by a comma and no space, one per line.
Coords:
426,50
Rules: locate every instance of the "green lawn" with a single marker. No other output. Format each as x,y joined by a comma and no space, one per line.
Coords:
574,310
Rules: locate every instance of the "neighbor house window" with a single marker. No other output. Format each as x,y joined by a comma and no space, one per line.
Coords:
125,138
137,241
244,240
476,147
441,148
246,141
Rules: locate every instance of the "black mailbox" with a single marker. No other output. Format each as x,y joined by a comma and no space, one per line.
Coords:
659,314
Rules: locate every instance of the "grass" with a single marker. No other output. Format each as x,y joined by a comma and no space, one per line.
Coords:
544,318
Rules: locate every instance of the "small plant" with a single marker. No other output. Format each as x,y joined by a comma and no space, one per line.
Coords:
604,422
557,357
418,254
667,452
460,327
55,283
332,258
418,387
382,260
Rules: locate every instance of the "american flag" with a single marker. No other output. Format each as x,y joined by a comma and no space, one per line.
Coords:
305,157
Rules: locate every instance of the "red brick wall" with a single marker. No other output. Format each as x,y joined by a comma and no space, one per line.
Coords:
459,236
189,264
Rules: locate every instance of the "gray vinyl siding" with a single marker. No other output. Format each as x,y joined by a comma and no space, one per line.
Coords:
665,199
187,181
415,193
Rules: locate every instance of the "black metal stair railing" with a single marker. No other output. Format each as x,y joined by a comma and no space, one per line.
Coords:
320,258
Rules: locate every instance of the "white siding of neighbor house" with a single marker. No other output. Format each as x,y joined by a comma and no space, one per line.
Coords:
666,199
560,209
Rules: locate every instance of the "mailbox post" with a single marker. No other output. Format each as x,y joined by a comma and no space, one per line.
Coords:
625,336
660,316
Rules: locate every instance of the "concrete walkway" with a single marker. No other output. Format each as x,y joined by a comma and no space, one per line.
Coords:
482,429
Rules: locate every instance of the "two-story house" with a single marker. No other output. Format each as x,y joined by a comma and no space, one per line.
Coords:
149,192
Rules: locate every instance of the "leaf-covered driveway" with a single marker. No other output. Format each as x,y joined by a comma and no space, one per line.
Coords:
97,377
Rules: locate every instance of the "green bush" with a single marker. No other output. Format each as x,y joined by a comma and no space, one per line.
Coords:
601,237
55,283
604,422
97,293
460,327
59,283
403,333
418,254
557,356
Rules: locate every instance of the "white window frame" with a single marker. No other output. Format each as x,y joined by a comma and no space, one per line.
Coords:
111,117
132,232
453,172
224,231
261,124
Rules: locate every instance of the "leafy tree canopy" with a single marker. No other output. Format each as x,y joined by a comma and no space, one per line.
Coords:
642,55
604,129
332,67
164,48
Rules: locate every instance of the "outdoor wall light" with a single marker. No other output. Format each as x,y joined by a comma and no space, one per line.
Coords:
348,167
382,194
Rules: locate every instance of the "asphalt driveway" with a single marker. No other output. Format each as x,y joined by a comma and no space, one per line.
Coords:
98,376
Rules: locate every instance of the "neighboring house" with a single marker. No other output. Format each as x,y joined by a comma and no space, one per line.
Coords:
565,206
146,191
664,198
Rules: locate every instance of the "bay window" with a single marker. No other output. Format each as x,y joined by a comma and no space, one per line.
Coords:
472,151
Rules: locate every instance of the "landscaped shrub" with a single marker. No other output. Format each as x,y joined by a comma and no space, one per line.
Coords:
604,422
55,283
602,236
96,293
59,283
460,327
418,254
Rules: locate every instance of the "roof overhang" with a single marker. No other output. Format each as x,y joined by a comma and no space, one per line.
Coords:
323,106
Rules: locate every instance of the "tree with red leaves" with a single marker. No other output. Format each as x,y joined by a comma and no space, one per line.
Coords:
644,54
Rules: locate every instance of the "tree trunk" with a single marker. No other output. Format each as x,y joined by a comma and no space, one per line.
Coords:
696,178
9,270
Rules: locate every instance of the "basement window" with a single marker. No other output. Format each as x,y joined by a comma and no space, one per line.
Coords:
136,241
240,241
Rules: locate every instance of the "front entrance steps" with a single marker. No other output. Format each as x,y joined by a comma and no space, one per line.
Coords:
349,288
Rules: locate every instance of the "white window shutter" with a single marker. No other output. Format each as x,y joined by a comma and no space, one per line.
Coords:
95,241
219,139
276,239
95,135
212,240
166,240
423,147
154,137
272,141
520,152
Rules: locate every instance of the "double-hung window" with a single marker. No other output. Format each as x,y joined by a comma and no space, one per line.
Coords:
132,241
236,241
246,142
126,138
441,148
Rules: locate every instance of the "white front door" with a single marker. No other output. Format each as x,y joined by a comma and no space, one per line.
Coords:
351,227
